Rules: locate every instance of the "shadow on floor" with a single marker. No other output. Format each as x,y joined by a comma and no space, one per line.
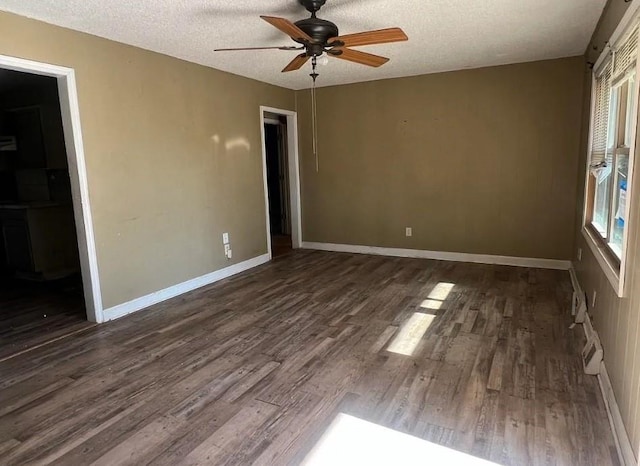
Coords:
33,313
280,245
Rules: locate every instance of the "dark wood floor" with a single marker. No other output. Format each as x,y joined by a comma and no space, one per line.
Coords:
253,369
280,245
34,313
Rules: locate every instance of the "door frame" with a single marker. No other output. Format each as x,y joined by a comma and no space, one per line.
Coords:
70,110
283,166
293,172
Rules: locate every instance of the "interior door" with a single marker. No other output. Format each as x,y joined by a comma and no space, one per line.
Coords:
273,178
283,175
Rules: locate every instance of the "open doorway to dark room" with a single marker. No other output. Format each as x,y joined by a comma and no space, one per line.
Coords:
275,130
41,296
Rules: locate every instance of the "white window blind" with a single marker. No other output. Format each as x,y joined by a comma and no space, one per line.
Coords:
601,117
624,59
625,55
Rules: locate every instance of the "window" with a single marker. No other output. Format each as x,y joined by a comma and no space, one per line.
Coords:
613,129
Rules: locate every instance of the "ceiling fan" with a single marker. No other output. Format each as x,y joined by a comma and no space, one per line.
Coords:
318,36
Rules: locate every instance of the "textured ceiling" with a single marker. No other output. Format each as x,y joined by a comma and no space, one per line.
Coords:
443,35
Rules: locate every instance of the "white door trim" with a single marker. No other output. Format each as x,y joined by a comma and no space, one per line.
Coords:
294,175
77,172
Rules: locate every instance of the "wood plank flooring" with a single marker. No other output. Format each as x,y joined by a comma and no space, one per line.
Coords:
280,245
33,313
253,369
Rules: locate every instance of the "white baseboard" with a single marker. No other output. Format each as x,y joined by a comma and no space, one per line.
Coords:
143,302
444,256
625,451
574,280
620,436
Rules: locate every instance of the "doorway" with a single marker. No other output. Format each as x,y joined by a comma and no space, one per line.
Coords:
275,134
70,113
281,179
41,291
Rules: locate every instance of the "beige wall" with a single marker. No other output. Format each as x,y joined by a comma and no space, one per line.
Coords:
616,320
173,156
478,161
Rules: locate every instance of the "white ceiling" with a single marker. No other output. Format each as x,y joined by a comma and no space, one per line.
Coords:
444,35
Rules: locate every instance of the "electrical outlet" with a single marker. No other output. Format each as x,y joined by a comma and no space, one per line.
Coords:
408,231
593,299
579,254
229,253
227,248
225,238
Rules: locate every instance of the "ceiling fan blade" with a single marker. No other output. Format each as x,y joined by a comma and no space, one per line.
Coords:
260,48
288,28
381,36
358,57
296,63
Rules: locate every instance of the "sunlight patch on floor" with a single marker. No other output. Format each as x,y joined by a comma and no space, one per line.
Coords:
437,297
431,304
353,441
441,291
410,334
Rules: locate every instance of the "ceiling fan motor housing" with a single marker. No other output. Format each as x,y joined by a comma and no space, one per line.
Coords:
320,30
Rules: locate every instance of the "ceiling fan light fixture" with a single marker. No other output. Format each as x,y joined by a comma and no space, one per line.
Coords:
319,37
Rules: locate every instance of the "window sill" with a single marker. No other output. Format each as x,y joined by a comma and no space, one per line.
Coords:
607,264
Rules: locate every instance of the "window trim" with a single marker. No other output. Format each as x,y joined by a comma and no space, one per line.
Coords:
609,266
614,270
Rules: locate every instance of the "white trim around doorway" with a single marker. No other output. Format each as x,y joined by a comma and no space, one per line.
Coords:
77,172
294,176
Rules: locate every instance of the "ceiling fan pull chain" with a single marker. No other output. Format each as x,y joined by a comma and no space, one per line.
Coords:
314,114
314,128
